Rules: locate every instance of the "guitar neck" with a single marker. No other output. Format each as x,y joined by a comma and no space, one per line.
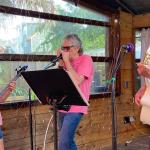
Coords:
6,88
14,79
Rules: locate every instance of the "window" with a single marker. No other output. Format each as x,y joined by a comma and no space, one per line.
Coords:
22,88
28,37
137,44
38,36
137,58
100,78
58,7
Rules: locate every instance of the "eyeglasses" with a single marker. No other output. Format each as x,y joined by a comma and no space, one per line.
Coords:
67,48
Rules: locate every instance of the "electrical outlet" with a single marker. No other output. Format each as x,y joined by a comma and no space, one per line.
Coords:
132,119
128,119
126,84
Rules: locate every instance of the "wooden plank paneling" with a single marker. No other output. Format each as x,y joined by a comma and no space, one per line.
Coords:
93,129
141,21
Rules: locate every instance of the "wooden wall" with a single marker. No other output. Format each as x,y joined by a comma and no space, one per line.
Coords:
140,21
94,132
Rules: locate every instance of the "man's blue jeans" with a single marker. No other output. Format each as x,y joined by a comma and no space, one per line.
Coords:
68,123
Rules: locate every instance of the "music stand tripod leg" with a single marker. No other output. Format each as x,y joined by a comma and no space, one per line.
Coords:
30,120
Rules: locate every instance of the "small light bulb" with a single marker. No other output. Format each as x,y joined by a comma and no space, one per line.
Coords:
116,21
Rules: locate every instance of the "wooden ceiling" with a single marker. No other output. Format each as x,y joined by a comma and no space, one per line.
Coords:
132,6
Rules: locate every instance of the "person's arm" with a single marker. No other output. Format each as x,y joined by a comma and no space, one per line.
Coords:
7,92
143,70
61,62
78,78
65,63
139,94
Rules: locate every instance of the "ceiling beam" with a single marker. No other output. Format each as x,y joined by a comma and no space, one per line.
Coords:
95,6
48,16
125,7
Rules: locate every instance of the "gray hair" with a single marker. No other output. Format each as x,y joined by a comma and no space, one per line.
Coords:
76,41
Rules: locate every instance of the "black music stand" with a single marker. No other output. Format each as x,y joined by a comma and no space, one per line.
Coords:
55,87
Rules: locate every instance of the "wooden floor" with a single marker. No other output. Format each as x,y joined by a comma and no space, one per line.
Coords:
140,143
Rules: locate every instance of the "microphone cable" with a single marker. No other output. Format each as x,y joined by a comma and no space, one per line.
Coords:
47,132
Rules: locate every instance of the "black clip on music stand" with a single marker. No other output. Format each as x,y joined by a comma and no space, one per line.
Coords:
55,87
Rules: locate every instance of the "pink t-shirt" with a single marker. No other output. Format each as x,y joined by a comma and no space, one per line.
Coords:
1,119
83,65
0,114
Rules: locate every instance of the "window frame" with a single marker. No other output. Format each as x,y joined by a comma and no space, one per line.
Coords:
48,16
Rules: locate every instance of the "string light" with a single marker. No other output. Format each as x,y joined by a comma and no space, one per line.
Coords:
115,21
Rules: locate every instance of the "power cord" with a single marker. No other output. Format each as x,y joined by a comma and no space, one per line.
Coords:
47,132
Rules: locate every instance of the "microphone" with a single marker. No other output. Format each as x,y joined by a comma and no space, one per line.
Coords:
128,47
53,62
56,59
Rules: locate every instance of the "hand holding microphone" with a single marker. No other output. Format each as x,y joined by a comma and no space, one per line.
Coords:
63,57
61,62
53,61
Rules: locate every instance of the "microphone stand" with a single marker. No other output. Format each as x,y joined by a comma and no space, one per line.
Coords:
113,93
113,108
54,104
49,65
53,62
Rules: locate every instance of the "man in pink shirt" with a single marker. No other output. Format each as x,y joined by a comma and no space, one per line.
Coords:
80,67
3,95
